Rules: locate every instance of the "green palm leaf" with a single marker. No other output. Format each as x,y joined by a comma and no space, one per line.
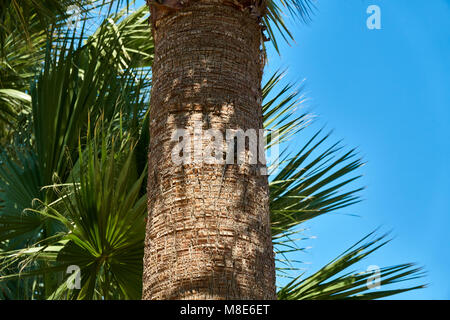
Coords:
77,81
314,181
317,180
334,281
103,217
273,20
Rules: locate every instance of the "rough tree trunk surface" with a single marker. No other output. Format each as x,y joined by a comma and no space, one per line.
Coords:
208,229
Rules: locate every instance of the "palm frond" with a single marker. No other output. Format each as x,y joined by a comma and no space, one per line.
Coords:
131,32
103,215
23,46
280,110
79,81
274,22
20,183
318,179
315,180
337,281
18,64
16,15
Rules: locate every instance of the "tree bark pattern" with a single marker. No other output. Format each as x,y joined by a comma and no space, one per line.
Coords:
208,229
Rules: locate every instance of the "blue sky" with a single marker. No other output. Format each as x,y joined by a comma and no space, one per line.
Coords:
386,92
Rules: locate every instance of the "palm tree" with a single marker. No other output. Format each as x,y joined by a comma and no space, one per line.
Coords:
73,174
208,233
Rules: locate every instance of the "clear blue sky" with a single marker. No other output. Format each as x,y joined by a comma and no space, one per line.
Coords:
386,92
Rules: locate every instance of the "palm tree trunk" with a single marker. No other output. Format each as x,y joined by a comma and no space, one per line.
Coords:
208,230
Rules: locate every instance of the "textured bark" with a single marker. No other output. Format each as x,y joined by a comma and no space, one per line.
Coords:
208,229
